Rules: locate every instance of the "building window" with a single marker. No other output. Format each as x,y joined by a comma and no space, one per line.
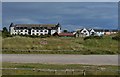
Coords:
33,31
25,30
37,27
37,33
41,27
25,27
41,30
84,31
45,30
21,27
33,27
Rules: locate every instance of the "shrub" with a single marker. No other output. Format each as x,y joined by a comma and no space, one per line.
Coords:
93,37
116,38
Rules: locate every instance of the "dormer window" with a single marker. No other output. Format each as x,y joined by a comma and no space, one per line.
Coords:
37,27
45,27
33,27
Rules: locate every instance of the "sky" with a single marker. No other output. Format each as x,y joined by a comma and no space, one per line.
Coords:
0,15
60,0
71,15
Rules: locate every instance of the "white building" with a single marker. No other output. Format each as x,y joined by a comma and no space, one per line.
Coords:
88,32
34,29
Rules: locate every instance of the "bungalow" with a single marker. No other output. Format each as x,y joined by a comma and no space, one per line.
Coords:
96,32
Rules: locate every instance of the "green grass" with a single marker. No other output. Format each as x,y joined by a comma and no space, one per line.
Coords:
90,69
71,45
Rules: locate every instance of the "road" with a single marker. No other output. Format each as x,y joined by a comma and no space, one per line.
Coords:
61,59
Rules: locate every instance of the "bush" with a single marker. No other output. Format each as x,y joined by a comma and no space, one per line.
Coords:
116,38
93,37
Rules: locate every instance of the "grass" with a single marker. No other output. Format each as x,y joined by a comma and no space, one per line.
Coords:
70,45
90,69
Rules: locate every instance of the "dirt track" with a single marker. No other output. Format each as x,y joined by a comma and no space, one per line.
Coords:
61,59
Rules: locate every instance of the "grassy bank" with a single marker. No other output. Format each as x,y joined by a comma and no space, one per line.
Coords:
59,45
78,69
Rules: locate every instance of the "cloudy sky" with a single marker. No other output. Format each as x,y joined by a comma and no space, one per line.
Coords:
71,15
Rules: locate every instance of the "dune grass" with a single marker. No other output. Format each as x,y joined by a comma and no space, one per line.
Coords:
65,45
90,69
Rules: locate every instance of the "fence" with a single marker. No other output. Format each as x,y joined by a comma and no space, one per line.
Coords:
67,71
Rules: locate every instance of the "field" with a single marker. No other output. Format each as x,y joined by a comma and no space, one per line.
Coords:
59,45
57,69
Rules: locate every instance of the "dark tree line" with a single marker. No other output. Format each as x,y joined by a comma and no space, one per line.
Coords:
5,32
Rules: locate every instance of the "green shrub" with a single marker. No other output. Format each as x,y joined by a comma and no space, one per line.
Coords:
116,38
93,37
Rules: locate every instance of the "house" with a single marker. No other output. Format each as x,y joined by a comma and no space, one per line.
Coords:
92,32
112,31
99,32
82,32
34,29
95,32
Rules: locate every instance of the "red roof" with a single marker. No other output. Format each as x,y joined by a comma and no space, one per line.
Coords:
66,34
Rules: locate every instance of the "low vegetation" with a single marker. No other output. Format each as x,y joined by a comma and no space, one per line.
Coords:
60,45
34,69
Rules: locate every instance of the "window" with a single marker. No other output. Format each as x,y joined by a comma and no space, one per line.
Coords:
84,31
41,30
25,30
45,30
21,27
33,31
41,27
37,27
25,27
33,27
37,33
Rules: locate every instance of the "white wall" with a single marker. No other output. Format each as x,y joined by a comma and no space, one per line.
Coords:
33,31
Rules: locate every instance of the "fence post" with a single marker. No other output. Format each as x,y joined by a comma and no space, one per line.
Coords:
72,71
55,71
84,72
66,71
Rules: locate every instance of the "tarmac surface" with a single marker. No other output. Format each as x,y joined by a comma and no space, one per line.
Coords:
61,59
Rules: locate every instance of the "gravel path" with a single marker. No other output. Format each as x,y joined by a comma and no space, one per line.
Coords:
61,59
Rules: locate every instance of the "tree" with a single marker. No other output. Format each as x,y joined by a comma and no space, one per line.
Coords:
5,30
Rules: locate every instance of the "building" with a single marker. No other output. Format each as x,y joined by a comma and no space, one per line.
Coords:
34,29
95,32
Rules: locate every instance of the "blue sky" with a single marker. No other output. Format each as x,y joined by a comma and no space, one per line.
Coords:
71,15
